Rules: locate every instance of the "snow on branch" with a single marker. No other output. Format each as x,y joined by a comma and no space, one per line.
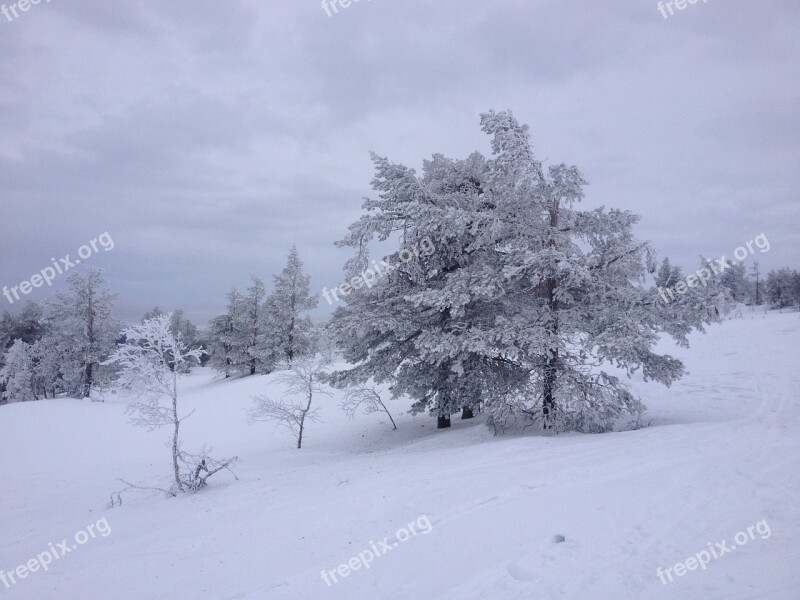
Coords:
305,378
150,363
367,398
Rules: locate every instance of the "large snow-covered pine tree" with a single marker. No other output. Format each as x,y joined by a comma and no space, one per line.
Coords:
523,300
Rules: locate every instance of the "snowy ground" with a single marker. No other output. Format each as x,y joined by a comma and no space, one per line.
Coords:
721,456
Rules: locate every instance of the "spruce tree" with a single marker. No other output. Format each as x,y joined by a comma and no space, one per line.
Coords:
290,328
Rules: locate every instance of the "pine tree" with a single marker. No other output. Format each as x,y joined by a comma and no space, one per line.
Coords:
183,328
668,275
47,367
734,278
29,326
18,373
756,286
579,275
83,328
220,345
228,345
291,330
522,296
782,288
427,321
250,325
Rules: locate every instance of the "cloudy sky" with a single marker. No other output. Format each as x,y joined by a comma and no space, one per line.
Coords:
207,137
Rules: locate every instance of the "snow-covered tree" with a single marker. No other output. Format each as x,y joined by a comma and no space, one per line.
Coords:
227,355
520,301
150,362
238,340
578,276
305,378
250,328
324,343
287,308
83,329
18,373
28,325
668,275
368,399
179,325
183,327
783,288
47,361
756,285
152,314
398,329
734,278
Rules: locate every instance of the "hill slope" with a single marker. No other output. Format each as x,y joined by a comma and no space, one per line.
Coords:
721,455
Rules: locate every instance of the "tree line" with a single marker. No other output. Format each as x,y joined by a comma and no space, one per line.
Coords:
61,348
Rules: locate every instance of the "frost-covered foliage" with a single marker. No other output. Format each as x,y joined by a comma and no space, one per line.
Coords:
783,288
18,376
305,378
81,330
240,339
179,325
224,347
150,363
66,338
287,308
667,275
260,331
368,399
251,326
523,301
425,326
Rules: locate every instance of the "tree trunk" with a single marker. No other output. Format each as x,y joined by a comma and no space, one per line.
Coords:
175,438
443,422
290,349
386,410
551,363
549,401
303,419
293,309
300,433
88,375
467,413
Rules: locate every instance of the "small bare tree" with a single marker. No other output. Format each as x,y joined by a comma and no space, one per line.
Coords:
150,362
367,397
305,378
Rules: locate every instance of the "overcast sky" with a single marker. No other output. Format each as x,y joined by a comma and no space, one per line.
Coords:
207,137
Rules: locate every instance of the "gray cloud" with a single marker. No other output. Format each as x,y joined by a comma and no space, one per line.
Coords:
207,137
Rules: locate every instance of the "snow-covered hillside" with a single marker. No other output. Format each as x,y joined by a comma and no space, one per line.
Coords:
720,456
